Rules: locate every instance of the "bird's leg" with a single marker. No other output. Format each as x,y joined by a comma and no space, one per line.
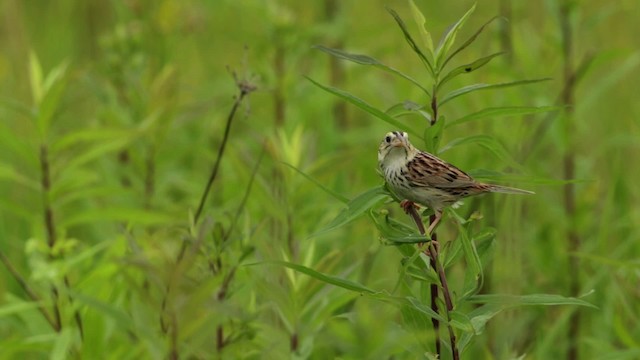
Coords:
406,205
435,222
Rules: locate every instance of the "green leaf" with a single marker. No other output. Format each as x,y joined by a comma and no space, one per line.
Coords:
334,194
367,60
450,37
356,208
461,321
473,263
418,17
7,172
503,111
467,68
433,135
411,42
419,306
475,87
366,107
409,107
329,279
89,136
533,299
470,40
488,143
62,345
18,307
35,78
128,216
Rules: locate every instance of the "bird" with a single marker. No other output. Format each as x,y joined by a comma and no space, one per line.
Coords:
419,177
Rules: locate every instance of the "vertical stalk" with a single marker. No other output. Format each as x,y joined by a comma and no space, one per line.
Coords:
432,252
50,230
573,244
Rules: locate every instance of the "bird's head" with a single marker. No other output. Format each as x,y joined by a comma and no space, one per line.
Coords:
395,146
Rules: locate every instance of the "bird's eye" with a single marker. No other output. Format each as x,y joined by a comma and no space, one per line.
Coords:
387,139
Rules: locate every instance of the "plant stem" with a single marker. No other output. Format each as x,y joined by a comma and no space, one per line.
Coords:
437,266
573,245
245,88
29,291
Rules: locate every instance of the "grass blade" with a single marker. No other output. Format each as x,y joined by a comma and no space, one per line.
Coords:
532,299
470,40
411,42
503,111
334,194
449,37
366,107
468,68
475,87
421,22
356,208
367,60
329,279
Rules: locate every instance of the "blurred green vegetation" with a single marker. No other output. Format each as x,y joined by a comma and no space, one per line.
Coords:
126,103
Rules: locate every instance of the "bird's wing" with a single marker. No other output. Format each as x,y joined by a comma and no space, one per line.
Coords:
426,170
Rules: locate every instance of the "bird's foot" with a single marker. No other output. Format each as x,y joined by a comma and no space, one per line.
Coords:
407,205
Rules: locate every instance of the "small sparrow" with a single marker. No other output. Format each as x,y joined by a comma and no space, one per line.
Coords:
419,177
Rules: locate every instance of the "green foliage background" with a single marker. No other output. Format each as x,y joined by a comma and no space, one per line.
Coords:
130,100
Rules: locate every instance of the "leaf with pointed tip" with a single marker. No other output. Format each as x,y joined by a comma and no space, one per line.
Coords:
411,42
334,194
433,135
367,60
532,299
470,40
366,107
486,142
503,111
421,22
356,208
467,68
475,87
329,279
450,37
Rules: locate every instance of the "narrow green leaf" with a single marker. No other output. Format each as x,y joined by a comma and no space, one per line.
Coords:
334,194
366,107
467,68
450,37
433,135
409,107
503,111
533,299
422,26
62,345
407,239
470,40
473,263
128,216
14,308
7,172
411,42
89,136
416,304
461,321
356,208
35,78
329,279
367,60
488,143
475,87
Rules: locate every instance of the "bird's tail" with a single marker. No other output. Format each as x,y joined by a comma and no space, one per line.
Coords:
507,190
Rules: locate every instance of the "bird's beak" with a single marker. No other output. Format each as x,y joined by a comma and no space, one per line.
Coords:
399,141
